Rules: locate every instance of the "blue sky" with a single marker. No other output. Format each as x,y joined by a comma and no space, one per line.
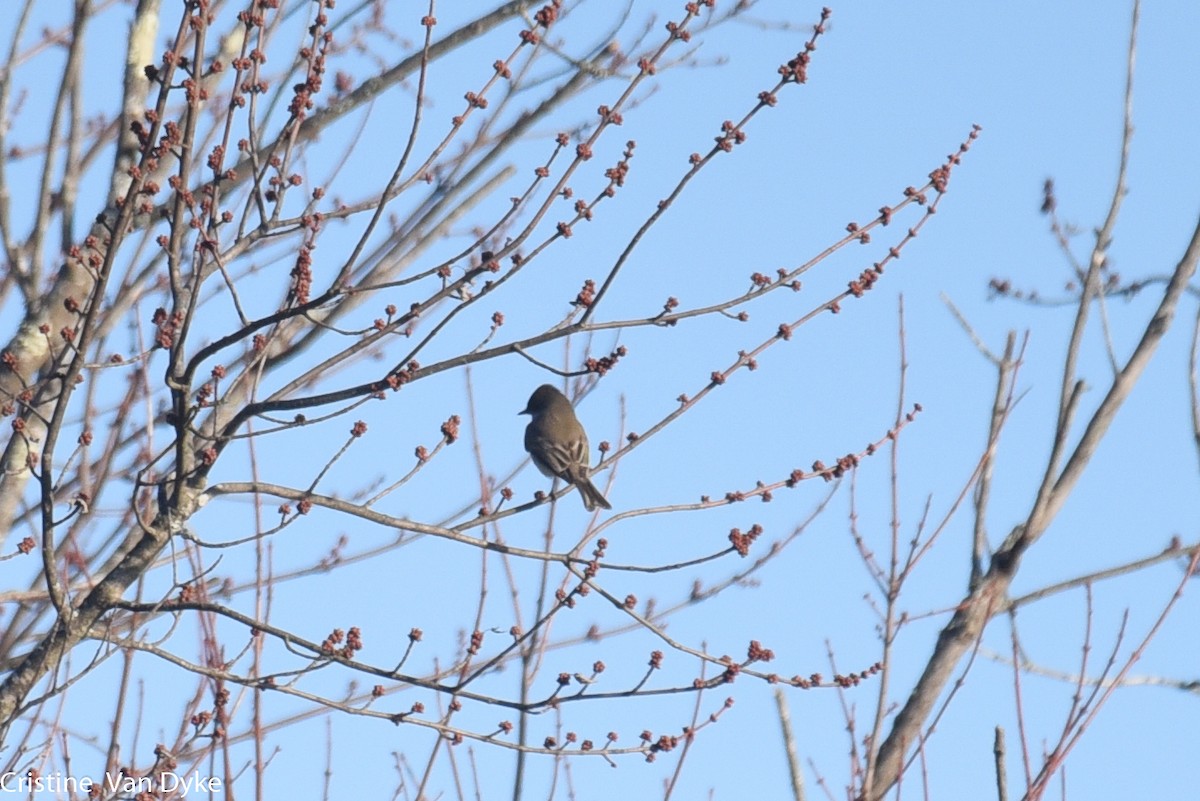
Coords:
892,89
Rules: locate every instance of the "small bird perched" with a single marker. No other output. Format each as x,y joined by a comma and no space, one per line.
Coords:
558,444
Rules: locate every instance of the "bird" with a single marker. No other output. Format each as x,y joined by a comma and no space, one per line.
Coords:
558,444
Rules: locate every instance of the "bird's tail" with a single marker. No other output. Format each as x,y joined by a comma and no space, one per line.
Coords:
592,497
